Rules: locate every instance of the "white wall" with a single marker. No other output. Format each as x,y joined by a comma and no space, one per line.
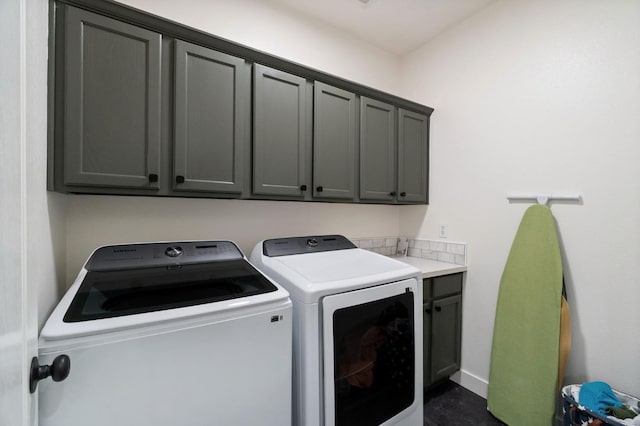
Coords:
540,96
99,220
96,220
286,34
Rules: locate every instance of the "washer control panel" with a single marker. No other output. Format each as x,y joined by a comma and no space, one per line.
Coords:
148,255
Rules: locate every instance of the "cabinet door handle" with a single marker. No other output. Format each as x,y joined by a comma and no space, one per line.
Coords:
403,194
427,310
319,189
303,187
179,179
438,308
392,193
153,177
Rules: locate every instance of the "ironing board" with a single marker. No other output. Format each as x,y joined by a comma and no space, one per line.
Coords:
523,380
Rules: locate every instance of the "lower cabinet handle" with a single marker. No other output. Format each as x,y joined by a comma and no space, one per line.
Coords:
428,310
303,187
153,177
438,308
319,189
392,193
403,194
179,179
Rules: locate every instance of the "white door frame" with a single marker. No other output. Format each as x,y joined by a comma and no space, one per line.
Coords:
18,303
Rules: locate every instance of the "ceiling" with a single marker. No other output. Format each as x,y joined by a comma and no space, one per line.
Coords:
397,26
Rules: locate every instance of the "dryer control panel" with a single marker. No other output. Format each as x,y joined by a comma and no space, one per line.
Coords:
301,245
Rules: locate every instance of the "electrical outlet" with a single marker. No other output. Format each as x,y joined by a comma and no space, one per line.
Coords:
443,231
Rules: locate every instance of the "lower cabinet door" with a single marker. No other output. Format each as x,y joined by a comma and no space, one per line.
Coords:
426,333
446,327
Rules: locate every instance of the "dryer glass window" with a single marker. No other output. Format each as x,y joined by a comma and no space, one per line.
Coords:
107,294
374,365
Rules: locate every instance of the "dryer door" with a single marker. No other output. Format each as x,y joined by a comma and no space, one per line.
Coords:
370,339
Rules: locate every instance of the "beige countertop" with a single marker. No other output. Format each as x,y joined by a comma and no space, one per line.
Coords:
431,268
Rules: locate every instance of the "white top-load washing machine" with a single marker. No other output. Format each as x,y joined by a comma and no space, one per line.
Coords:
166,334
357,331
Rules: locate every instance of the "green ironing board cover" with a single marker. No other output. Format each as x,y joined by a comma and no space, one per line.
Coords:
524,357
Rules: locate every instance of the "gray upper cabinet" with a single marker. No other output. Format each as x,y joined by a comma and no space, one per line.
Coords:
211,123
112,103
140,105
334,142
413,156
377,150
280,141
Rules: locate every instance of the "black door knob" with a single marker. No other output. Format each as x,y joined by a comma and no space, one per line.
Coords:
58,370
403,194
319,189
179,179
303,187
438,308
392,193
153,177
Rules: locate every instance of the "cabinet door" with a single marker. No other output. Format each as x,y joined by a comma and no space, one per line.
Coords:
334,142
446,333
112,103
210,122
426,339
279,133
413,156
377,150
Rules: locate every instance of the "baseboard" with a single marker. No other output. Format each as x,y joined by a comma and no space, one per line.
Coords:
472,382
480,387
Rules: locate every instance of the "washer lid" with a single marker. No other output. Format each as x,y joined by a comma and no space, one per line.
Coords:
114,293
135,285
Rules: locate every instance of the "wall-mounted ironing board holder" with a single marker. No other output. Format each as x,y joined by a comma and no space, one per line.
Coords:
545,199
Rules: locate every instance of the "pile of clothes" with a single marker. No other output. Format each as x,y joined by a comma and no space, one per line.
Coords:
596,403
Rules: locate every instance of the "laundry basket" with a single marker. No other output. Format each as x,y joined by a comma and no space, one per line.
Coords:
578,415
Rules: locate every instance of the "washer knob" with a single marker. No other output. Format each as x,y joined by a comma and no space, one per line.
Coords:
173,251
312,242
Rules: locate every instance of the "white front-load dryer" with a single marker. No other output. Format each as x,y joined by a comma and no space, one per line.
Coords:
357,331
166,334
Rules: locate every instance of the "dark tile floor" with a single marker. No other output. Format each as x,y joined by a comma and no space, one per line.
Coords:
449,404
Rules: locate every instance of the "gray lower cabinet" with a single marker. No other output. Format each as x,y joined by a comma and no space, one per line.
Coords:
334,143
211,121
413,156
111,124
442,330
377,150
280,141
